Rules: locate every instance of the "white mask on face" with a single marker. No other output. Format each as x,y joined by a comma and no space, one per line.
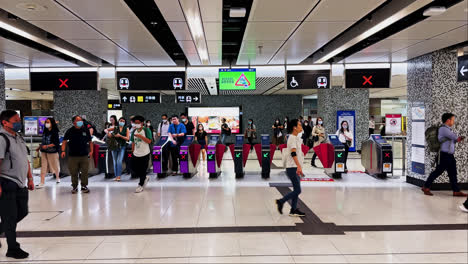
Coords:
47,125
137,126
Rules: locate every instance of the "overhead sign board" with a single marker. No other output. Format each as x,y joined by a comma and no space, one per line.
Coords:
63,81
140,98
367,78
237,79
462,69
308,79
188,98
151,80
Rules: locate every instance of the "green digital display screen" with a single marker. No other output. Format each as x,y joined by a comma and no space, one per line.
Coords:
237,79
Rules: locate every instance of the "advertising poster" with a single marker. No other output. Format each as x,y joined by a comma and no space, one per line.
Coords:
41,122
30,126
418,139
393,124
210,118
350,117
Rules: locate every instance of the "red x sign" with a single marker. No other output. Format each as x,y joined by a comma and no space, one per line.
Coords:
130,155
387,155
156,157
63,83
183,157
367,80
102,155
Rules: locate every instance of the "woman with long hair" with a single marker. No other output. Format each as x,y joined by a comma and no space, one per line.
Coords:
201,137
346,138
49,148
121,134
251,133
277,132
318,137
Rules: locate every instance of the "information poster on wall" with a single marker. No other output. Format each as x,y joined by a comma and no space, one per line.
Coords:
393,124
350,117
30,125
41,122
418,140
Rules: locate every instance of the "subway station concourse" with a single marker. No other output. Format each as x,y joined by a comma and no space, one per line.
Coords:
168,131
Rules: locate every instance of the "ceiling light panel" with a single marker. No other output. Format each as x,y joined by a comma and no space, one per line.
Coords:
193,17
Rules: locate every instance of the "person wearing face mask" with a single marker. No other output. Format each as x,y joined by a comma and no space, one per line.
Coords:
294,161
277,133
307,132
49,151
141,140
163,126
121,134
346,138
251,133
15,174
188,124
177,132
80,148
201,137
318,137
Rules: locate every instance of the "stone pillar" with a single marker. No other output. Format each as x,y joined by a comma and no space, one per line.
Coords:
338,98
432,81
92,104
2,87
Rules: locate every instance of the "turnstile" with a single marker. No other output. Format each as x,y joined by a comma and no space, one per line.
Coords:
188,157
240,153
214,153
265,152
160,166
105,162
377,156
332,156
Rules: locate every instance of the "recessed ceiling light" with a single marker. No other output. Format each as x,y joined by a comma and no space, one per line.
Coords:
434,11
29,6
237,12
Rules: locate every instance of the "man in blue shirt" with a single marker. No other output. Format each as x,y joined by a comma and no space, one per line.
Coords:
177,132
446,159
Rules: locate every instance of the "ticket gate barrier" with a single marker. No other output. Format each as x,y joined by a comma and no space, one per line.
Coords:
93,168
214,153
265,152
159,163
188,157
332,156
377,156
240,153
105,162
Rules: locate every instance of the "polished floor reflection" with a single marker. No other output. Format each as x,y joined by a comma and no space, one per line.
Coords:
197,215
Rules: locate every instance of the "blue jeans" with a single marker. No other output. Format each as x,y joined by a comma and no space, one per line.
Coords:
223,138
117,157
296,182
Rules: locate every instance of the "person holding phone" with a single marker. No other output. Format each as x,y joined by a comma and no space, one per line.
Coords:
294,161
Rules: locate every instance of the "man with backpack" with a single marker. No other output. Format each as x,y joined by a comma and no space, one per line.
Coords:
15,174
446,159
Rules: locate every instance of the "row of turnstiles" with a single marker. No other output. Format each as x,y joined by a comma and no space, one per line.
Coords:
376,157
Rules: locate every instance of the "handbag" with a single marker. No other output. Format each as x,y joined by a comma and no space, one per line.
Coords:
349,143
36,161
315,138
112,143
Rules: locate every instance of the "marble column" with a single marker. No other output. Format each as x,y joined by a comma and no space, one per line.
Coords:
432,81
338,98
2,87
92,104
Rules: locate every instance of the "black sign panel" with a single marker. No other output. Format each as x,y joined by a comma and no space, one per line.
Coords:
140,98
114,105
462,68
309,79
63,81
188,98
151,80
367,78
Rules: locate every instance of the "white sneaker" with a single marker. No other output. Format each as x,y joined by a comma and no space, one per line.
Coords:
40,186
463,208
58,181
146,181
139,189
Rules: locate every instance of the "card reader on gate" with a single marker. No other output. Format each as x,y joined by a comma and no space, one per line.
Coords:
160,165
240,153
377,156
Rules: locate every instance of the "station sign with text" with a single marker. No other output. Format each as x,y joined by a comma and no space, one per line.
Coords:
187,98
462,69
140,98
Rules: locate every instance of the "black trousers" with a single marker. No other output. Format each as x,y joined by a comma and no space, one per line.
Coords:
251,139
174,150
371,131
13,208
447,163
140,167
313,158
346,151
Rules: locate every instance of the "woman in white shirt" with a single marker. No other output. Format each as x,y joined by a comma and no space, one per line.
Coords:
294,161
346,138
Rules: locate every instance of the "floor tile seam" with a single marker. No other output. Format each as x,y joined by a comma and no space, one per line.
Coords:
99,244
198,220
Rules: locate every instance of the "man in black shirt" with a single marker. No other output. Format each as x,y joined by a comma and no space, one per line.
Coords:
78,137
188,124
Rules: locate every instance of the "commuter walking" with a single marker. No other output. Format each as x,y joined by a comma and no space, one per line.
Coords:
80,149
225,130
177,132
120,135
49,151
346,138
371,125
446,159
15,174
277,132
285,125
382,127
294,161
163,127
188,124
318,137
251,133
201,137
307,133
141,140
